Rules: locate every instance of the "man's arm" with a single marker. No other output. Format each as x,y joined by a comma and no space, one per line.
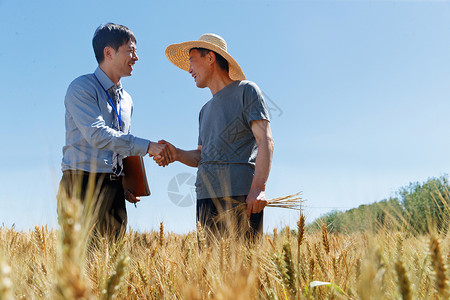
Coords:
256,199
187,157
81,104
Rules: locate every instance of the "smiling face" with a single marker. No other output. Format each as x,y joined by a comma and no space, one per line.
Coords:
123,60
200,68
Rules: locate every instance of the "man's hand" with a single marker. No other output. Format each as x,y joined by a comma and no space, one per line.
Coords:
256,201
131,198
161,150
160,160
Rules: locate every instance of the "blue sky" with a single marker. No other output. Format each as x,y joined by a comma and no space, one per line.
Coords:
359,92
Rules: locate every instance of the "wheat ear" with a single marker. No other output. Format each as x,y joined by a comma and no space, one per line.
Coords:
5,281
115,279
439,267
403,281
142,275
161,234
289,274
326,244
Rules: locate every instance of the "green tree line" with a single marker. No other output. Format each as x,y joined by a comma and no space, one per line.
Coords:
418,207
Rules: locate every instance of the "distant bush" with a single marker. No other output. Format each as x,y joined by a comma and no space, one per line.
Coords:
420,208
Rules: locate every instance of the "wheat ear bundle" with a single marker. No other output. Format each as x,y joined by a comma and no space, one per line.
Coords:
290,202
293,202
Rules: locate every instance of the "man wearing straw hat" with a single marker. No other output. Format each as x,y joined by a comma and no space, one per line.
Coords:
235,143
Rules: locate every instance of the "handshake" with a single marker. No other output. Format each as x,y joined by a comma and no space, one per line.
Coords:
163,152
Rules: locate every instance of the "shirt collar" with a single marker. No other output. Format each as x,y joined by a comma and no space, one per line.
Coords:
104,80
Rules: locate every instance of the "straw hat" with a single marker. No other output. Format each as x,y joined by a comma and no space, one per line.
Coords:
178,54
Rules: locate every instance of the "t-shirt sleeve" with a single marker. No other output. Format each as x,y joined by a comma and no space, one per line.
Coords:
255,107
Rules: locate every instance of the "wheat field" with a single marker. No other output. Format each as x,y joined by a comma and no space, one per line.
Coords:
289,263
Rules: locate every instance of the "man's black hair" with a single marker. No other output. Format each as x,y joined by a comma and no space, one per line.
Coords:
110,35
223,63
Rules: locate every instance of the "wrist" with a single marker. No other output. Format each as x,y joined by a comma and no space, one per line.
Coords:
258,187
176,154
150,148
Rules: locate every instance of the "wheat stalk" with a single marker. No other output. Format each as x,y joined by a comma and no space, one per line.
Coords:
358,269
403,281
289,274
326,244
70,280
275,235
300,236
142,275
287,231
311,268
439,267
5,281
300,231
201,236
334,263
115,279
319,259
161,234
40,240
293,202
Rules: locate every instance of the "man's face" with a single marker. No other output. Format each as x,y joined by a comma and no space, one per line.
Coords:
199,68
124,59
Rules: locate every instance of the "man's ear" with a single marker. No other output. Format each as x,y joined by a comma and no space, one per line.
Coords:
211,57
107,52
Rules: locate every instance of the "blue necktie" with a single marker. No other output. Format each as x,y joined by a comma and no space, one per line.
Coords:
117,163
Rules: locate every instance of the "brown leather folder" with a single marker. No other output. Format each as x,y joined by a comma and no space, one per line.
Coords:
134,178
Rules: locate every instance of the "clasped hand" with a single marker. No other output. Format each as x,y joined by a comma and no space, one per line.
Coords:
163,152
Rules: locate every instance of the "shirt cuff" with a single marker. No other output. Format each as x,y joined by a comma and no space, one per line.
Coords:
140,147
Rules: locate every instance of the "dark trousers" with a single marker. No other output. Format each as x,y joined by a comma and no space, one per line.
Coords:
227,217
102,198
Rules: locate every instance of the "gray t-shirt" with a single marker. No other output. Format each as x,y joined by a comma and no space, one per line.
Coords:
229,149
